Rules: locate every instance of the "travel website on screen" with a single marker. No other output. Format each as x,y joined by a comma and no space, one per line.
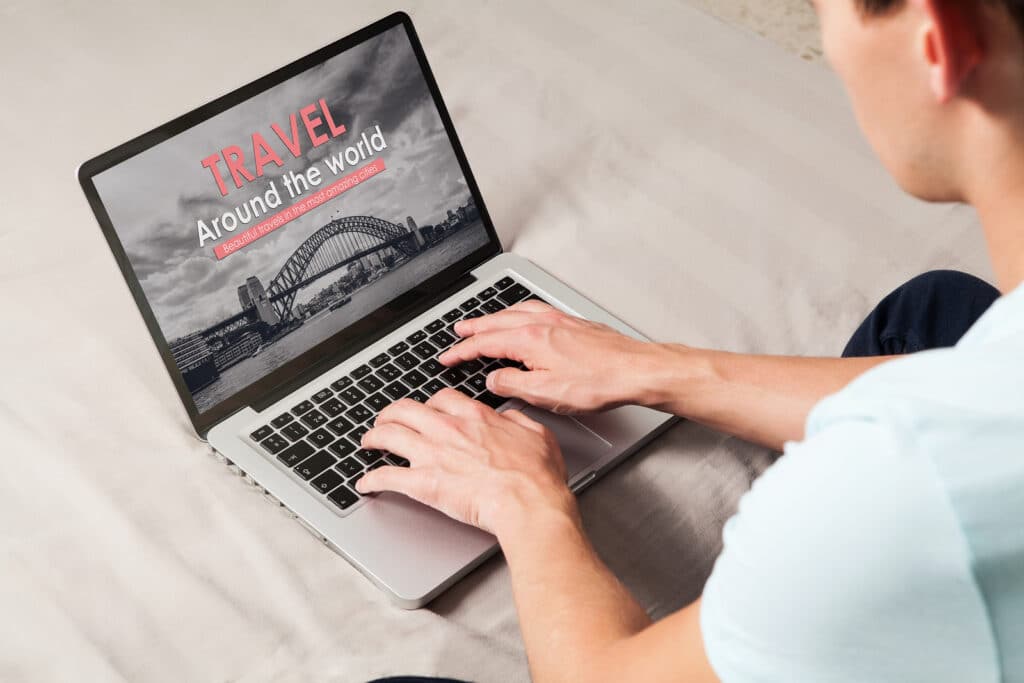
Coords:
265,230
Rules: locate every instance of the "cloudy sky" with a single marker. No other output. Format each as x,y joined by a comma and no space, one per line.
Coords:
155,198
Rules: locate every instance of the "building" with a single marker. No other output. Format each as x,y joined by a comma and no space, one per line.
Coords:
195,360
260,301
417,234
244,298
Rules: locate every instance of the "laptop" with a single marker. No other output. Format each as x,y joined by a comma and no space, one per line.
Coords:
300,250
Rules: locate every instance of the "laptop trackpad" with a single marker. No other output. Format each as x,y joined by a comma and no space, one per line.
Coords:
581,447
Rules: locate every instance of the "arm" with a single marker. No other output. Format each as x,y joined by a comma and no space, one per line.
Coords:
764,399
580,624
579,366
504,473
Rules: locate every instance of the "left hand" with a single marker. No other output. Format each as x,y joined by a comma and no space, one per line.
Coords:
472,463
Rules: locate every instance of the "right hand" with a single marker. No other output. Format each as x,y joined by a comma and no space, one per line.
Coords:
575,365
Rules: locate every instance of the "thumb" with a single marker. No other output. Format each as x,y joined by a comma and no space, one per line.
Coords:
515,383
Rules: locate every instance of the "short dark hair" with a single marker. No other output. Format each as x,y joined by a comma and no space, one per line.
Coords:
1015,7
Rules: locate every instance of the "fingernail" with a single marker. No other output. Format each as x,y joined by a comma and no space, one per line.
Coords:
490,381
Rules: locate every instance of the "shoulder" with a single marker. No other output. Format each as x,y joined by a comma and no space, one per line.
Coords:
845,562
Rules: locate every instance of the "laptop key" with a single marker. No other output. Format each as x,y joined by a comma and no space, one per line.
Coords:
453,376
418,396
322,395
340,425
262,433
370,383
302,408
349,467
476,313
343,497
504,283
492,400
360,372
492,306
513,294
378,401
294,431
407,361
296,453
282,419
487,294
397,460
352,396
416,337
327,481
432,387
442,340
359,413
469,304
414,378
389,373
369,455
311,467
274,444
379,360
332,407
321,438
452,315
431,367
470,366
356,435
314,418
434,326
341,383
477,382
424,350
342,447
466,390
400,347
396,390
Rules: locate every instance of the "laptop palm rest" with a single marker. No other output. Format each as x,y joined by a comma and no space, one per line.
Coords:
581,447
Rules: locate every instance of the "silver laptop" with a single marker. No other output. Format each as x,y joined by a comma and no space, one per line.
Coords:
300,250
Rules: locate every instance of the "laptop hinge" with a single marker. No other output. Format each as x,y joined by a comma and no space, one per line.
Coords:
349,350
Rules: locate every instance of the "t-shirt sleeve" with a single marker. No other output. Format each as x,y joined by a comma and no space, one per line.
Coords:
846,563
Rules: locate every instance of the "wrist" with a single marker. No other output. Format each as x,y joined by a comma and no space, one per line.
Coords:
670,375
521,517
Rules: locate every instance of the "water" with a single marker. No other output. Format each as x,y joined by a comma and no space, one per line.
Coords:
322,326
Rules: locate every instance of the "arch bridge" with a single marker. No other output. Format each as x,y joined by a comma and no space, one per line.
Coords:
338,243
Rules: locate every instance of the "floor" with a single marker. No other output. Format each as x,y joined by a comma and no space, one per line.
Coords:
790,23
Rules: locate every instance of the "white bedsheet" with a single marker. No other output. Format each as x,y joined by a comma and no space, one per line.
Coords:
695,180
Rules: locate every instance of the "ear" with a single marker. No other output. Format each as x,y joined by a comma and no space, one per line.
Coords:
951,44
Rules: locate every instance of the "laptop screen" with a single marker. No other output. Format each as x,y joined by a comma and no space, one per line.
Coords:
262,231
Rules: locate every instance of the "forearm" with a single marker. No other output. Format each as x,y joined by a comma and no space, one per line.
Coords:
764,399
579,623
572,609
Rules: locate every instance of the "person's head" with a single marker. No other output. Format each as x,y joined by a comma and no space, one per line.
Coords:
937,85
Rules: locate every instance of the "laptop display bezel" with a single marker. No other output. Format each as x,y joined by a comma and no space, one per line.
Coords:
332,350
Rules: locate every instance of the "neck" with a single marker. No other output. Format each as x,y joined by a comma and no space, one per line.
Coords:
999,200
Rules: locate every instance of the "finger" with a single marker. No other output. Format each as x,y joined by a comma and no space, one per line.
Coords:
523,420
503,320
400,440
418,484
509,343
457,404
513,382
412,414
532,305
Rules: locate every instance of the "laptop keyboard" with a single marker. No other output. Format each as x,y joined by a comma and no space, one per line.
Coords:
318,438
